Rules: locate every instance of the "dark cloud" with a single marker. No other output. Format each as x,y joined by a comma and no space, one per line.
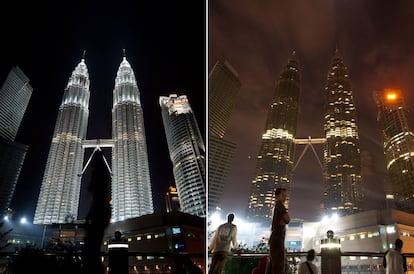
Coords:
257,38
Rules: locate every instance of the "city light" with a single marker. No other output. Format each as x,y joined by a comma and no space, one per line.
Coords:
23,220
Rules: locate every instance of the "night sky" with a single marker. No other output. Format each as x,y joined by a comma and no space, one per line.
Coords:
375,40
164,43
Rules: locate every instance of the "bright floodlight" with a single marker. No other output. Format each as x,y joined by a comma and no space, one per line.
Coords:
325,219
23,220
335,217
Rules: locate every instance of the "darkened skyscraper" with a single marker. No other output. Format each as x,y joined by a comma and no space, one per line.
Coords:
398,148
224,85
342,160
15,94
14,98
275,159
187,153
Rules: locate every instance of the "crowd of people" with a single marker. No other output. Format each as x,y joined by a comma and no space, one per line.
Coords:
225,240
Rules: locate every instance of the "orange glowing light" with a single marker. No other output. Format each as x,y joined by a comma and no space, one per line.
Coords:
391,95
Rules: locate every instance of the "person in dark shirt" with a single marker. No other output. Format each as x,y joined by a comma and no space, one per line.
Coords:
280,219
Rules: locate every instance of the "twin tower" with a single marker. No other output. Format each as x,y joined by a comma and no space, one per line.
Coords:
131,188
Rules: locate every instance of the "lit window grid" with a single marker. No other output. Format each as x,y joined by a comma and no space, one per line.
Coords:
131,186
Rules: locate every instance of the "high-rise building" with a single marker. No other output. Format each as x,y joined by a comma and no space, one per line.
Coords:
131,185
398,147
275,159
342,160
224,85
187,153
14,98
172,201
15,94
60,190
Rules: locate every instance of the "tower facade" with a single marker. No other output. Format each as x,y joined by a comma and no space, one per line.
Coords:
224,85
131,185
398,146
60,190
14,98
15,94
342,160
275,159
187,153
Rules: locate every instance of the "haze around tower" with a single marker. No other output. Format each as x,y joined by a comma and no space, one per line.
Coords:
257,41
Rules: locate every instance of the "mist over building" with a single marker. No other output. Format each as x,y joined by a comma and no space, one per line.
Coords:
398,145
224,85
274,166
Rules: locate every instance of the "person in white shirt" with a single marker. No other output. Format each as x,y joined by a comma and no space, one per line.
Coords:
394,262
225,235
308,267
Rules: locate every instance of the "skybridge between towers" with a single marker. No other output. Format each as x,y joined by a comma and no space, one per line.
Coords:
309,142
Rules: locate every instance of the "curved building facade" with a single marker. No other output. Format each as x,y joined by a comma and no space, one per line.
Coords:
398,146
187,153
131,185
60,190
342,159
274,166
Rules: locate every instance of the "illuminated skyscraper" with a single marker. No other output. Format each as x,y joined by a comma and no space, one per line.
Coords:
275,159
15,94
224,85
131,185
398,146
60,190
187,153
342,160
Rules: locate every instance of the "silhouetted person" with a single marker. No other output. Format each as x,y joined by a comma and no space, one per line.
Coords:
394,262
308,267
280,219
261,267
118,255
99,214
225,235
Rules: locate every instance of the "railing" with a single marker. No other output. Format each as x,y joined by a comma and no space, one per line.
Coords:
351,262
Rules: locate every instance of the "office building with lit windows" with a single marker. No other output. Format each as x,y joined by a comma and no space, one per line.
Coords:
224,85
342,160
275,158
172,202
398,146
60,190
187,153
131,186
15,95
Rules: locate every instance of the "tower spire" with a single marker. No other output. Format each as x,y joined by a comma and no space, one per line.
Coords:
123,50
83,54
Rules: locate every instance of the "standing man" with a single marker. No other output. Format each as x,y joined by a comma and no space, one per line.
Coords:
277,238
394,262
308,267
220,244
